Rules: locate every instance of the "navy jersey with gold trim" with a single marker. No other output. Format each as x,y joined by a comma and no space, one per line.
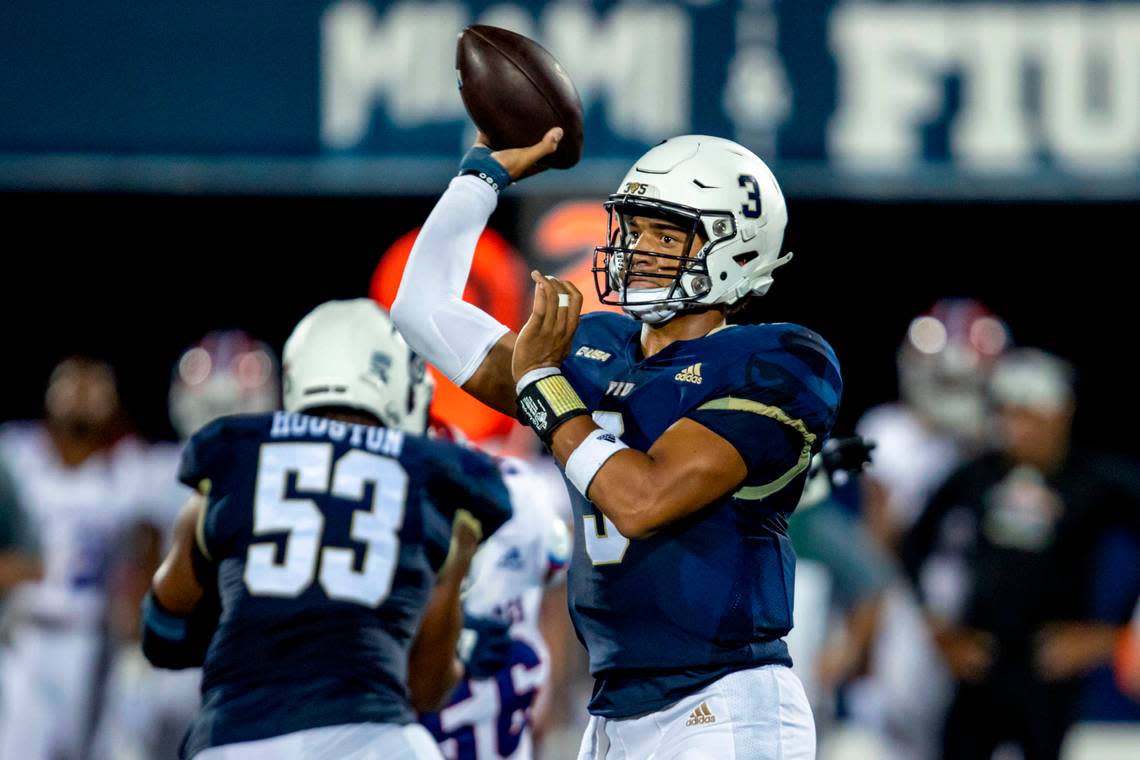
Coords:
326,537
666,615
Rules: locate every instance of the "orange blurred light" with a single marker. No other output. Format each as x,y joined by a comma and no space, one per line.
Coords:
565,237
496,285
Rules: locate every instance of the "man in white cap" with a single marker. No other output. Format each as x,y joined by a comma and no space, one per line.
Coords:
1029,520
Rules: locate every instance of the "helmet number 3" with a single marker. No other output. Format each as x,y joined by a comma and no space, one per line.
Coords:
750,209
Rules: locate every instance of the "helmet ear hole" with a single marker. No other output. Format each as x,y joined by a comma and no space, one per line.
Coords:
743,258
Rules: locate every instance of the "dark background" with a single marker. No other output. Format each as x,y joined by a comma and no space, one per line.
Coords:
137,278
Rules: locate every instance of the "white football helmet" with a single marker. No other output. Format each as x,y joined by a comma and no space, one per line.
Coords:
227,372
708,185
349,354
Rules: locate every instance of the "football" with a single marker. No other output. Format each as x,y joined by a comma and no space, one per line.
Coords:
515,91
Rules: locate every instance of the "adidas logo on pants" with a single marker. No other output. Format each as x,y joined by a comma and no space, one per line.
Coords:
701,716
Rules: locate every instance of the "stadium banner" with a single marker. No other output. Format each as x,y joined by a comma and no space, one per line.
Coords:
842,97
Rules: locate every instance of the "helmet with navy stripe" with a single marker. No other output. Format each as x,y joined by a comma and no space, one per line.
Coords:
348,354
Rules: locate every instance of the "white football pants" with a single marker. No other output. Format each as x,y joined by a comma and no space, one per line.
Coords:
757,714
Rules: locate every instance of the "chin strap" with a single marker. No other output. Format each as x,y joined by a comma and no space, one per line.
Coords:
650,313
658,313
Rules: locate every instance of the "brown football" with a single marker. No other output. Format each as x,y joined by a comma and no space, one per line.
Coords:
515,91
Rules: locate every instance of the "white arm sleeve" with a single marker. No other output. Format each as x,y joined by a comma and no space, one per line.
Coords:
429,310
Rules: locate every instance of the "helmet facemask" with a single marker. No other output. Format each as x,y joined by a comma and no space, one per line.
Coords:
679,289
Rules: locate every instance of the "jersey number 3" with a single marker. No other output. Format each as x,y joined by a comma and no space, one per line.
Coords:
303,522
604,544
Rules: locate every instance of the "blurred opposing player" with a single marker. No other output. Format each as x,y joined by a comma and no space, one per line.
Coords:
686,440
227,372
488,715
82,479
940,420
19,547
144,711
301,571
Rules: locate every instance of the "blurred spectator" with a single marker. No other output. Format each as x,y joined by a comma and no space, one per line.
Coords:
145,711
943,364
82,477
1027,521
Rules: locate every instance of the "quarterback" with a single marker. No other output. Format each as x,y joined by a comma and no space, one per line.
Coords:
685,440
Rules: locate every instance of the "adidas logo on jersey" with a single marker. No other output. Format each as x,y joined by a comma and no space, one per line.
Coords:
512,560
691,374
701,716
596,354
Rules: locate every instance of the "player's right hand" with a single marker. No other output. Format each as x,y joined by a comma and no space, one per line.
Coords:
523,162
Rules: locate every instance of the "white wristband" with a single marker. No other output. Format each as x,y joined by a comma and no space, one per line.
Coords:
588,458
534,376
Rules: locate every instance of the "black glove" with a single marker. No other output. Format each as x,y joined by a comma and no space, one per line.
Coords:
491,646
844,457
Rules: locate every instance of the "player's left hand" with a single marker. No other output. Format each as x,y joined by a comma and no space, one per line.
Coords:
1068,650
545,339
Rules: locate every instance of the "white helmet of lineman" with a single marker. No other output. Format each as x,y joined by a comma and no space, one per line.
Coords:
710,186
349,354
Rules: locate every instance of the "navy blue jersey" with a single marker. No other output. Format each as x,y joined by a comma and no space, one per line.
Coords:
663,616
326,537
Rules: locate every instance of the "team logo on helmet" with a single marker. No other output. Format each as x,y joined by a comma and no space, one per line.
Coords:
639,188
380,364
